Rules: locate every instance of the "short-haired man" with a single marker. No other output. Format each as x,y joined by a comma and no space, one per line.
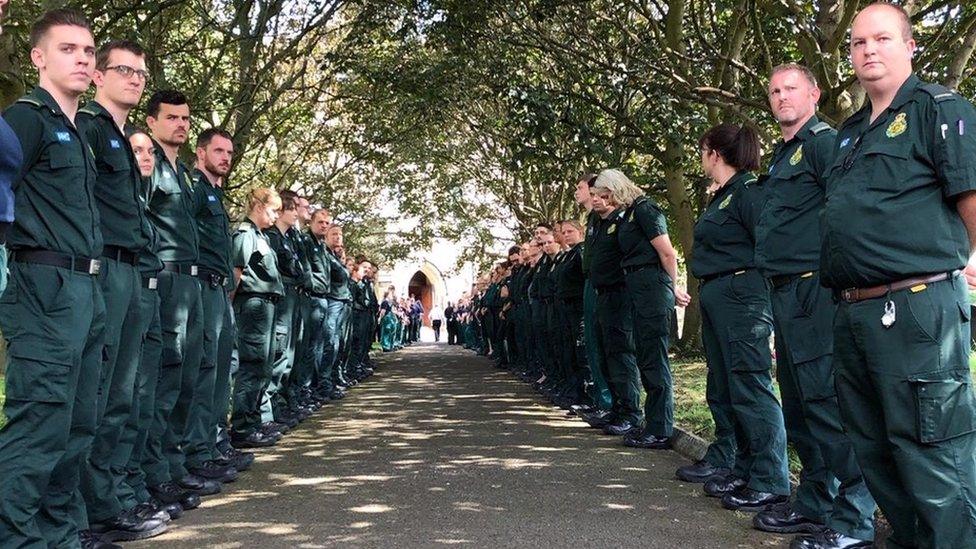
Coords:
332,382
52,312
171,201
297,381
120,78
899,224
305,383
788,254
209,404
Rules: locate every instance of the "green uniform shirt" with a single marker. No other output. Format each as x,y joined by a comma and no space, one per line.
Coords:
118,183
544,276
788,231
54,192
725,232
149,263
592,219
320,277
251,253
643,221
372,303
890,210
569,275
213,226
604,250
516,286
172,202
298,241
289,262
339,277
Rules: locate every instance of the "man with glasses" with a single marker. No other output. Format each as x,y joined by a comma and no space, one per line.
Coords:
899,225
120,78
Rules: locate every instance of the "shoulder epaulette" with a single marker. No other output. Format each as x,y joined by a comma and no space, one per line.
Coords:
30,101
87,110
819,127
938,92
243,227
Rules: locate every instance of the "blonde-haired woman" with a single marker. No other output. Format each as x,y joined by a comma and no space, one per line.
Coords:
650,266
257,289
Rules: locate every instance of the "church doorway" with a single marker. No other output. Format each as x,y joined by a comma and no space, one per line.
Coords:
421,288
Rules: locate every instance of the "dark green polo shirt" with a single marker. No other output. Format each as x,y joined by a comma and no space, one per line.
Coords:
118,183
643,221
516,285
289,262
320,276
54,193
339,277
725,232
251,253
891,191
172,203
569,275
213,226
298,241
372,303
604,249
788,231
540,277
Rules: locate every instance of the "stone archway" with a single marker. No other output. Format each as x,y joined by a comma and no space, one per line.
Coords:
421,288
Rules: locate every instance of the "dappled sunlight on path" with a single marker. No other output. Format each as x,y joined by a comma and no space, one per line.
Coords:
440,448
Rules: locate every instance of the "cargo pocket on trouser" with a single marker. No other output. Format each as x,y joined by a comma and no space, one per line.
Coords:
280,341
749,348
945,405
172,354
36,374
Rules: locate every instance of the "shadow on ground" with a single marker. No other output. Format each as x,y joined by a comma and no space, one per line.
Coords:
440,448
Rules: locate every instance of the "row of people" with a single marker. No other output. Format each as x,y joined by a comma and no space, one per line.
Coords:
851,246
150,339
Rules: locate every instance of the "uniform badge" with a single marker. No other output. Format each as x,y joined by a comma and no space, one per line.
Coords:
63,137
211,198
725,202
797,156
845,142
612,229
114,143
897,126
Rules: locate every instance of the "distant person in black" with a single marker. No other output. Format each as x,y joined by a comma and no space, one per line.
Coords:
450,317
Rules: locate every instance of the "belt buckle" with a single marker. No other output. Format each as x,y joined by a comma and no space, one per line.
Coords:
94,266
153,282
193,270
848,294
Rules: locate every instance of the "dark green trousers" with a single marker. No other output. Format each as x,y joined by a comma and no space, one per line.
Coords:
749,433
572,354
652,298
53,321
600,390
199,441
907,402
361,338
274,403
615,337
832,489
131,482
255,347
181,328
304,365
123,346
226,346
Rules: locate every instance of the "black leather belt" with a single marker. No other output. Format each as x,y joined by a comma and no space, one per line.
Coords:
85,265
180,268
215,279
724,274
273,298
637,268
120,254
150,282
779,281
607,289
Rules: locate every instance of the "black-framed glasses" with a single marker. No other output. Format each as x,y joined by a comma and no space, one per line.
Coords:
127,71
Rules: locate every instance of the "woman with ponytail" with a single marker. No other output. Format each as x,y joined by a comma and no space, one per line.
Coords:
746,466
